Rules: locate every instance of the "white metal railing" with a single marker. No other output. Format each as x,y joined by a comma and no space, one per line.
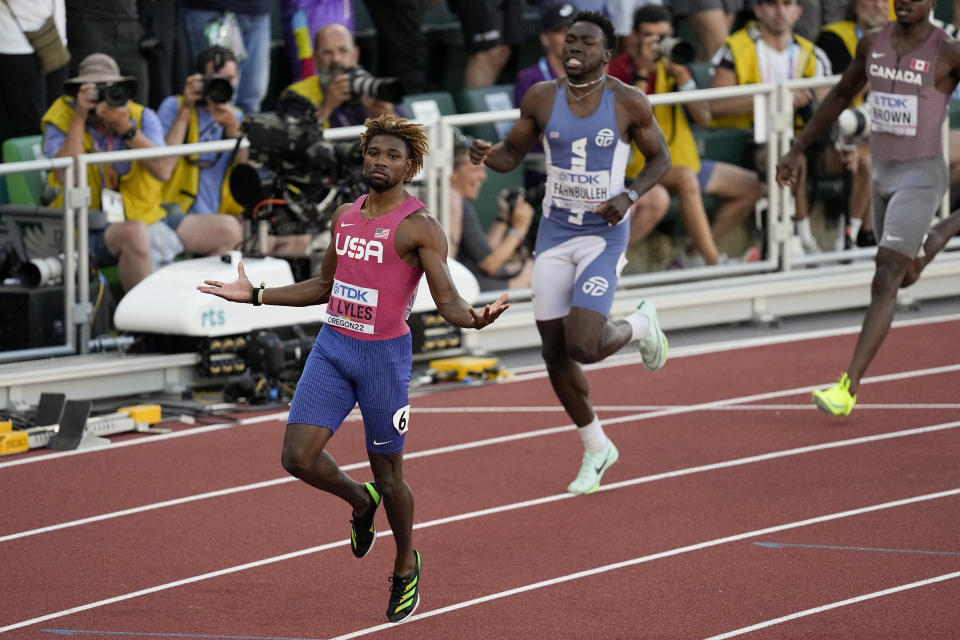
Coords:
773,115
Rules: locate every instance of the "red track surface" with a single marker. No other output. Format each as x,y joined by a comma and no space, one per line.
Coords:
667,549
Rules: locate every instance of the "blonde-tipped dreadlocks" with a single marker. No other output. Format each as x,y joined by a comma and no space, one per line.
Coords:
412,134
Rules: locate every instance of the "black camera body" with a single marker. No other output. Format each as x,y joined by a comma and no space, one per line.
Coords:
217,88
533,195
115,94
363,83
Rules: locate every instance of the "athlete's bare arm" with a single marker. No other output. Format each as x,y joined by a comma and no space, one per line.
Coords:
301,294
644,131
638,125
852,82
421,242
535,108
948,66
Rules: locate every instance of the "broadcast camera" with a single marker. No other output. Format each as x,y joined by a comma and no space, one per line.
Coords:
302,178
115,94
675,50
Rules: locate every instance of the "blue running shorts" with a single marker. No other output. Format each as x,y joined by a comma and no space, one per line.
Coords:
341,372
576,268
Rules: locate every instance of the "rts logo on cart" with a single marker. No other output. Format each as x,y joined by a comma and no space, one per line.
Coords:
213,318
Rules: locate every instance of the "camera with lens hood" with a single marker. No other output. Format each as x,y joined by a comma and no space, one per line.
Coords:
217,88
675,50
363,83
115,94
851,128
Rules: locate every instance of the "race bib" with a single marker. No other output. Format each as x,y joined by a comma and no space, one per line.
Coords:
112,204
352,307
893,113
576,190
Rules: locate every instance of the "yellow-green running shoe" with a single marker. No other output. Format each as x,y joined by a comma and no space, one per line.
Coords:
363,533
592,469
837,400
653,346
404,593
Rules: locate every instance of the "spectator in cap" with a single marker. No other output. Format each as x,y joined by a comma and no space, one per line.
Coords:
127,223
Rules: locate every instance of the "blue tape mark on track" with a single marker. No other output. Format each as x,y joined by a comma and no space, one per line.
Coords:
781,545
136,634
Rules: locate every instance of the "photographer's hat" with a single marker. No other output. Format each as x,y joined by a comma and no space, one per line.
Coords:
558,16
99,67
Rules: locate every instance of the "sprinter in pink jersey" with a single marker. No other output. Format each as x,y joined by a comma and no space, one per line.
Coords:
381,245
912,68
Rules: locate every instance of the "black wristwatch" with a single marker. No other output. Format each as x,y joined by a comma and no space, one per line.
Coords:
129,133
633,195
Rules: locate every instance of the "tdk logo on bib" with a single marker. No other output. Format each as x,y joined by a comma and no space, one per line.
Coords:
596,286
604,138
347,292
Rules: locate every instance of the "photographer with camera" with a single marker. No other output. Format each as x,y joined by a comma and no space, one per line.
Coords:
495,257
768,50
97,114
657,65
344,93
199,184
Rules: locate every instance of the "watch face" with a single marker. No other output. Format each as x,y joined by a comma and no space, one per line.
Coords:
633,195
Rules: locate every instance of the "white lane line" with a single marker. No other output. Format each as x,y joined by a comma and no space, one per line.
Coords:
836,605
454,448
656,556
531,373
503,594
808,406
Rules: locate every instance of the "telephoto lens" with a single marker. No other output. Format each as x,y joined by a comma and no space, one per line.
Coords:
217,89
676,50
115,94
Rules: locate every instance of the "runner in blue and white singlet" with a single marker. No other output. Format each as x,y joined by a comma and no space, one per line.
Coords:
587,120
586,162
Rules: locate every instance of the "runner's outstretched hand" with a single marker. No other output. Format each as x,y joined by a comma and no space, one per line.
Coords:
490,312
237,291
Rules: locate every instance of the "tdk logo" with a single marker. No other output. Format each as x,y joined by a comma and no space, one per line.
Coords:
596,286
892,102
349,293
579,178
358,248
